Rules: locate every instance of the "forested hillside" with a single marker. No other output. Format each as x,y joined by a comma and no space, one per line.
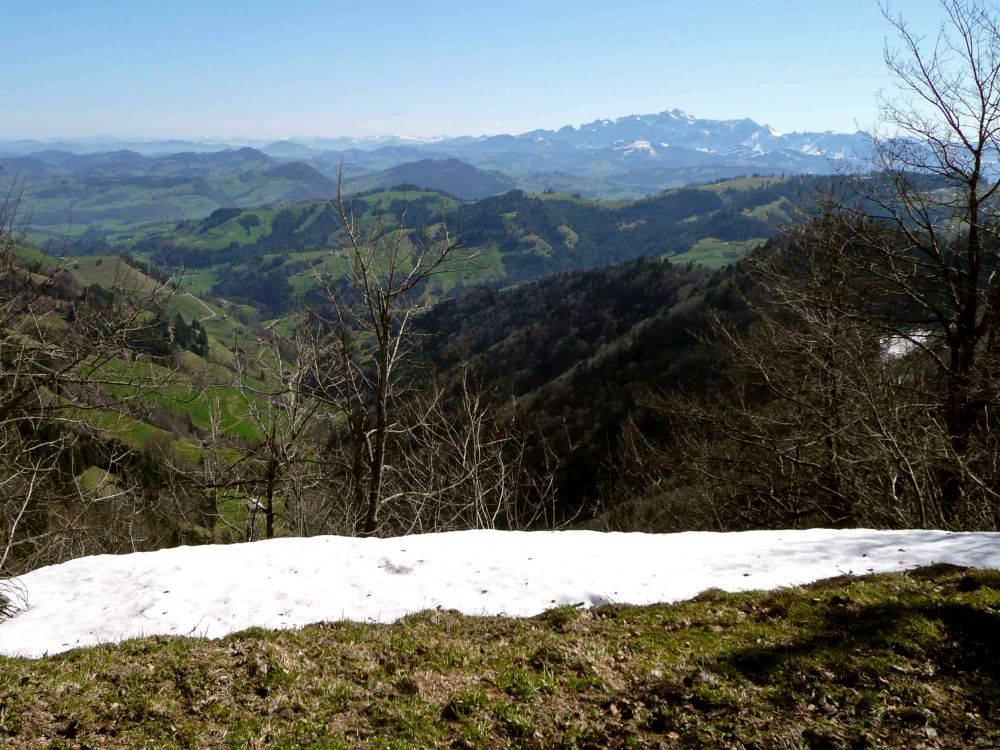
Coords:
447,175
293,357
264,256
313,441
572,354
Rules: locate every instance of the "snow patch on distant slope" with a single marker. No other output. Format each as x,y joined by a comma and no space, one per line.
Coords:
637,147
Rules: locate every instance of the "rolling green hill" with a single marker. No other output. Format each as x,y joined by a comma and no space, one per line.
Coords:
583,325
91,201
446,175
119,383
265,256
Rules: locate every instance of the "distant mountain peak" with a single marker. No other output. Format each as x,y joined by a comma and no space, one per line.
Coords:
627,156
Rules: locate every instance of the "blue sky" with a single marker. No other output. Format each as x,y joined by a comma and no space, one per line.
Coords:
162,68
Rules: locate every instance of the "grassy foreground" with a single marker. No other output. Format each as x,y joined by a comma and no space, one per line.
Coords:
902,661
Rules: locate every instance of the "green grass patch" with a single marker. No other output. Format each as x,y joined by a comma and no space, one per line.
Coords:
34,255
112,273
192,308
486,264
892,661
302,283
380,201
740,184
714,253
132,432
212,400
777,212
244,229
570,197
198,282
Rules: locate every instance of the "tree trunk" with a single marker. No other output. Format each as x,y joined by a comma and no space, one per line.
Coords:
381,436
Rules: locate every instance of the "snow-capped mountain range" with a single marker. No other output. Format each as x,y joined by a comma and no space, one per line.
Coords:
744,138
629,156
642,154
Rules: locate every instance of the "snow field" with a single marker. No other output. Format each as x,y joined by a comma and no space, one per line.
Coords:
214,590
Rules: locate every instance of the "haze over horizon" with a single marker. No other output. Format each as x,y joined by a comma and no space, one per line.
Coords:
237,140
329,69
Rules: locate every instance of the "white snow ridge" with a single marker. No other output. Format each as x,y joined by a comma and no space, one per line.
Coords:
285,583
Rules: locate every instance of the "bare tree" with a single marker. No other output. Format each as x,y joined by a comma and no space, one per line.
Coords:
370,290
273,474
823,424
67,388
867,390
937,154
460,465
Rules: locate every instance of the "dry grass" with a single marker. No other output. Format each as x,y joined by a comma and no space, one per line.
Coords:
895,661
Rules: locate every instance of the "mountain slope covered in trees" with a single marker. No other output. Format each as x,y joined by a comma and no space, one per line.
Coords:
264,255
572,355
446,175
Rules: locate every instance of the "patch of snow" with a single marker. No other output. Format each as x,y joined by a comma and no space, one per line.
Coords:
214,590
634,146
422,139
894,347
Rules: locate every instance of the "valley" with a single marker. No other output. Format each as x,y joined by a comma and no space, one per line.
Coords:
562,314
650,430
566,312
73,189
191,398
